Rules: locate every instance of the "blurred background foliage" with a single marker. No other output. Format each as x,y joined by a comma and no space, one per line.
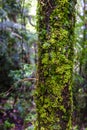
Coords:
18,59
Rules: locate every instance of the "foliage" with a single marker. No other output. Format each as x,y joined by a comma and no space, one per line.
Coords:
8,125
17,63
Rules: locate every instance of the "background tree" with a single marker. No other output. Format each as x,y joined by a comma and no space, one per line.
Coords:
80,61
55,28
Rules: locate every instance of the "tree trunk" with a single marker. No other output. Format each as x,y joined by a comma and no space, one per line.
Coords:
83,67
55,26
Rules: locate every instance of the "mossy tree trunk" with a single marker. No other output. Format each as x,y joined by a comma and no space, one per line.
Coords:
55,26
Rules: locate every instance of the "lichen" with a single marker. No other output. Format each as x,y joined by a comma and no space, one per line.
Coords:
55,26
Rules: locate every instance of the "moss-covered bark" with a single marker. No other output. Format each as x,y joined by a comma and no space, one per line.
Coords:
55,28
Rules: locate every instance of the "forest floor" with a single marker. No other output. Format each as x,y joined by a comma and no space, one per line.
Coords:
12,119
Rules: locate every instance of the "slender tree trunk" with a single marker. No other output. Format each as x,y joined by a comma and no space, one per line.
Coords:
55,28
85,39
83,65
83,61
85,20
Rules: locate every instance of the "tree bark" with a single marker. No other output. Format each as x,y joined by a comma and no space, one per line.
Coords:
55,26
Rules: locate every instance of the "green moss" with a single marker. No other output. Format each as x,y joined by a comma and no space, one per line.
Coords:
55,53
